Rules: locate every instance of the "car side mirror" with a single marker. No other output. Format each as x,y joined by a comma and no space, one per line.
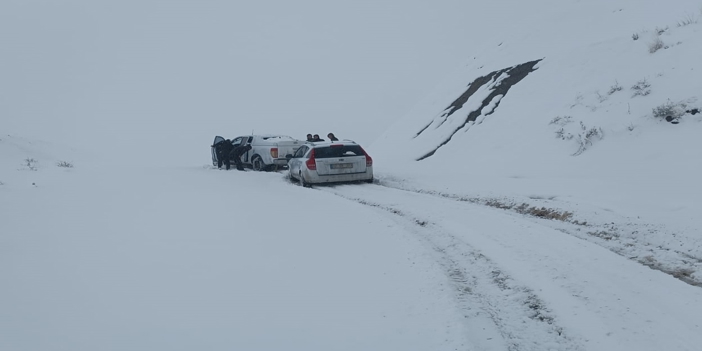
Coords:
288,157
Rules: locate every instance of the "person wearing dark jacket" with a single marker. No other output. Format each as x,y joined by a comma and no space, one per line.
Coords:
219,148
309,137
237,153
218,152
316,138
225,148
332,137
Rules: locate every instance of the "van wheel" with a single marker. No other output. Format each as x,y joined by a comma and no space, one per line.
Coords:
257,164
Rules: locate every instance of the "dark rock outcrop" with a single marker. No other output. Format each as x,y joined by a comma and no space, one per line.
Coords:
514,75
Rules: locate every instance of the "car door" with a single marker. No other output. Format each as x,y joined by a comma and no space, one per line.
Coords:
217,139
237,141
249,140
296,161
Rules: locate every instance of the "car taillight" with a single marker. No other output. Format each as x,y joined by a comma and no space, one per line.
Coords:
274,152
369,160
311,164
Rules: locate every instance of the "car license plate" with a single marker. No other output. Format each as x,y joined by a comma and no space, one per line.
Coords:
341,165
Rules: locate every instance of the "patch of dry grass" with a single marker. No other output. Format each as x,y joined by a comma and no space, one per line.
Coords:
526,209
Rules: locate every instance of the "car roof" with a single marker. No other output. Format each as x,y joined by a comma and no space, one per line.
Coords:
269,137
327,143
266,136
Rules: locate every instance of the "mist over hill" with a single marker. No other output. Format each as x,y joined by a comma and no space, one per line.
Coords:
536,171
141,74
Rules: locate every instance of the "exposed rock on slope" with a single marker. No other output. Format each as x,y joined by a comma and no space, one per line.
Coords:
496,83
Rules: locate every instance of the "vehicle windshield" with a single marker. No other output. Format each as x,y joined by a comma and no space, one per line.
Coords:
338,151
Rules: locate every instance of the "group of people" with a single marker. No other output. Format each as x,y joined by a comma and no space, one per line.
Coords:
315,138
226,152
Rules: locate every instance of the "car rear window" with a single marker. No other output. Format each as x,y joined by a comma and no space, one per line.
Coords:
338,151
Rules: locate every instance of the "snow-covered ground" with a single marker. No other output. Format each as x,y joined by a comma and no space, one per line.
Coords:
535,199
186,258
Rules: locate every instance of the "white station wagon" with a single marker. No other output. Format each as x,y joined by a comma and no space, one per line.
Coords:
330,162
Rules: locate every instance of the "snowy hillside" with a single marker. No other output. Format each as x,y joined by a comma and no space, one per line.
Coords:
571,112
536,198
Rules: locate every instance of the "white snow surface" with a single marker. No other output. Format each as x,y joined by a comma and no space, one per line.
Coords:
519,232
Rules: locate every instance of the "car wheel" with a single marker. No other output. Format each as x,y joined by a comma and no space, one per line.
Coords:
303,182
258,165
369,181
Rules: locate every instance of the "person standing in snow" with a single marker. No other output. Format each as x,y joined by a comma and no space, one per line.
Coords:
218,152
236,155
225,148
219,146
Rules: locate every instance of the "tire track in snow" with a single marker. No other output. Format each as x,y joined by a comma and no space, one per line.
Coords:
596,299
481,289
627,239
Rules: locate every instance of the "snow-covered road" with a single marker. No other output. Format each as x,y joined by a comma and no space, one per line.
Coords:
179,258
542,287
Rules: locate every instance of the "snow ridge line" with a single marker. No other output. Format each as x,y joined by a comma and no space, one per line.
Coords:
626,239
520,316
